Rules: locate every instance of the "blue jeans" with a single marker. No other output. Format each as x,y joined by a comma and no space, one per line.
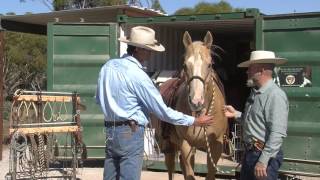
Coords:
251,157
124,153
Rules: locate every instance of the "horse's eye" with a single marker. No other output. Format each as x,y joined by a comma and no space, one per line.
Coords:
210,65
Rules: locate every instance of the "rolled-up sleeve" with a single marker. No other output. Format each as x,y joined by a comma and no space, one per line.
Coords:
276,113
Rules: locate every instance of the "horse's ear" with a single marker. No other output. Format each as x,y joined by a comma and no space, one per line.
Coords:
208,40
186,39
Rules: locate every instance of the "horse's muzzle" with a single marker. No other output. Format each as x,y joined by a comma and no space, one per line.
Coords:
197,106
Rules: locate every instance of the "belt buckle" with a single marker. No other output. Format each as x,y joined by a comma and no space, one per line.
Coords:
133,125
249,146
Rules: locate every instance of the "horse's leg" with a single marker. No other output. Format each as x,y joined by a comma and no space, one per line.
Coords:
191,161
216,150
169,160
186,154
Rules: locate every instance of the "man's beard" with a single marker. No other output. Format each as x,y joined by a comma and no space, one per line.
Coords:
250,83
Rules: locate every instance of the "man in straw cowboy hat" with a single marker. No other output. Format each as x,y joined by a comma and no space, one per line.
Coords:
264,120
127,95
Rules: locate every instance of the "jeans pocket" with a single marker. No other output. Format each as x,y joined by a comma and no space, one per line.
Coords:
125,138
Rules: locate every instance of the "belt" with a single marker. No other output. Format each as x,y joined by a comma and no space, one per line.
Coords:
119,123
255,144
132,123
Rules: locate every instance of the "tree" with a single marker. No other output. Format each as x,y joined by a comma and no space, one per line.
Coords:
157,6
208,8
24,62
80,4
184,11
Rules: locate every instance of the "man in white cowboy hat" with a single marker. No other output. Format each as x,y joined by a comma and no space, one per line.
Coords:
127,95
264,120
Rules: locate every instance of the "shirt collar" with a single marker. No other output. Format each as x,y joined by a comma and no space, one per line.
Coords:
264,87
134,60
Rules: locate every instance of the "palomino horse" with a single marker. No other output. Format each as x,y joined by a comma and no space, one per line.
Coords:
200,92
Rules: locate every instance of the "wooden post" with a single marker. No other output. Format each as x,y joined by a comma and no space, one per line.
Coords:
1,86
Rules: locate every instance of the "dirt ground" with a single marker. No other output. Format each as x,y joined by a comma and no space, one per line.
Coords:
90,173
96,173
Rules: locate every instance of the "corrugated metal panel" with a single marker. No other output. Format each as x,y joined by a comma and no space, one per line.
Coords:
76,53
170,34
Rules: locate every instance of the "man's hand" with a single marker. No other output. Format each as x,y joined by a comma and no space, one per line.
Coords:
203,120
229,111
260,171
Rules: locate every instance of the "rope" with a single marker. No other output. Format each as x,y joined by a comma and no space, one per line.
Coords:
210,112
42,158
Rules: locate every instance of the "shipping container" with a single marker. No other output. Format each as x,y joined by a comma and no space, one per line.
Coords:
77,50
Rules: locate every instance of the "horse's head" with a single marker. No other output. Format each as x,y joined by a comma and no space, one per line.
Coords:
197,68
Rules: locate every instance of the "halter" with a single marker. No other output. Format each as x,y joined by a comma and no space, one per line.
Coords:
189,80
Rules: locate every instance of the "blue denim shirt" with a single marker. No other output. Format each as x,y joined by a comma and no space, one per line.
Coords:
125,91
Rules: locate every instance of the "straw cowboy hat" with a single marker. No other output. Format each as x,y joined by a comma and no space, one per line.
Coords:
143,37
262,57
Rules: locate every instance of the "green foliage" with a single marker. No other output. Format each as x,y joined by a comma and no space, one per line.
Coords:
26,49
207,8
24,62
79,4
157,6
185,11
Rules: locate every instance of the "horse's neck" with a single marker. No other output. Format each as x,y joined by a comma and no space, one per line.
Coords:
218,83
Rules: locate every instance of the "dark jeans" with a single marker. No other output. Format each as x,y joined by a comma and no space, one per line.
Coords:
124,153
251,158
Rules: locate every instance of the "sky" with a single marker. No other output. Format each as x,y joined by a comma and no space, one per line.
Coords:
170,6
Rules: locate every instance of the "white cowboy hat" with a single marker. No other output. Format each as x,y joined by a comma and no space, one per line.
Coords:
143,37
262,57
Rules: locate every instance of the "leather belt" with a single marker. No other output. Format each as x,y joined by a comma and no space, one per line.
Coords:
255,144
132,123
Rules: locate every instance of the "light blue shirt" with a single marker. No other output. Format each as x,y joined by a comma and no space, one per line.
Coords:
125,91
265,118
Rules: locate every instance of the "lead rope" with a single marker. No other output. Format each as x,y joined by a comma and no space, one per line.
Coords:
210,112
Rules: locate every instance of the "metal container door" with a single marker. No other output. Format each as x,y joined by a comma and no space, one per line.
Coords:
296,37
76,53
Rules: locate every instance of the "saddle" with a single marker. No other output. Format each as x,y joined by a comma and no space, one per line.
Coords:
168,91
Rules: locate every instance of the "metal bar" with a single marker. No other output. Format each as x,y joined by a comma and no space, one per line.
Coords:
300,173
50,56
44,124
180,19
63,129
46,92
1,86
44,98
259,39
301,161
291,24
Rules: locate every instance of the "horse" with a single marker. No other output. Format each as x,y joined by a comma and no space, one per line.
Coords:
198,91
